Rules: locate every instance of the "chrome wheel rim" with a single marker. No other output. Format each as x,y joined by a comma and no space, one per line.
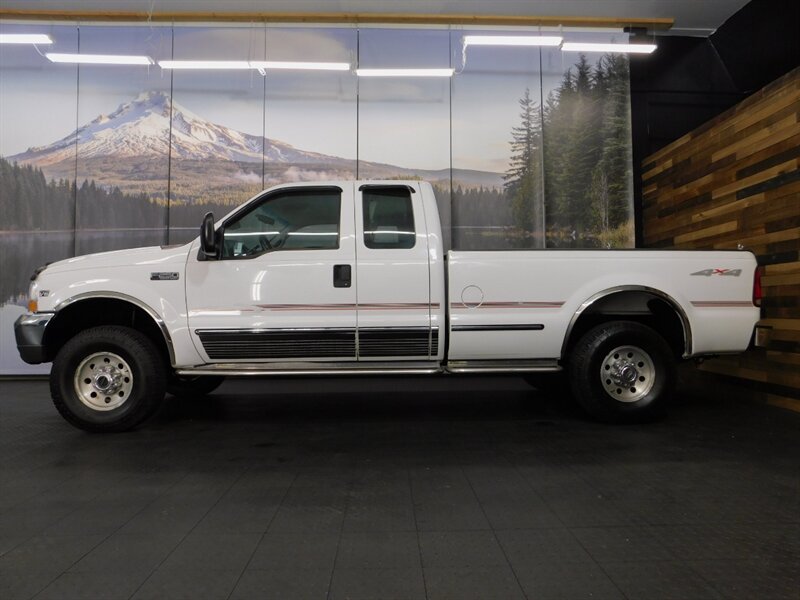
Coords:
627,373
103,381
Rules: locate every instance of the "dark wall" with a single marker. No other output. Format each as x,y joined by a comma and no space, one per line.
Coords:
760,43
689,80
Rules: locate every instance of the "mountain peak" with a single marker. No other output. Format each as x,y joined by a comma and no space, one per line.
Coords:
152,124
152,98
152,101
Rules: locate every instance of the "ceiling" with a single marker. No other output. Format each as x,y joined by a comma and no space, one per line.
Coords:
692,17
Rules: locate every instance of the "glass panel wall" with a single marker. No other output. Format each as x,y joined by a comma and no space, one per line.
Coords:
217,149
38,107
311,111
404,121
122,140
587,147
525,147
497,167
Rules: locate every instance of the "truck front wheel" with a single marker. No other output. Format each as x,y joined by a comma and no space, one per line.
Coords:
108,379
622,371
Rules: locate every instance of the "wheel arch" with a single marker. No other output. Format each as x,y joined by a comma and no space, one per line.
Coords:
609,304
106,308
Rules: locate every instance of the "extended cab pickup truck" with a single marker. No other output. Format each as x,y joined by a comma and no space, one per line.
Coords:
351,278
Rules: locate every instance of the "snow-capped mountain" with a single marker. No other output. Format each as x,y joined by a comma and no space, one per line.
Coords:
141,128
129,147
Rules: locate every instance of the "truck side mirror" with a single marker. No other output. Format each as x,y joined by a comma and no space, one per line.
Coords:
208,237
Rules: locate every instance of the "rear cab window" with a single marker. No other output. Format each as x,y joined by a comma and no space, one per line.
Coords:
388,218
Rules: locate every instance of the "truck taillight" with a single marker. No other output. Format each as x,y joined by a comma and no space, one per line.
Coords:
757,293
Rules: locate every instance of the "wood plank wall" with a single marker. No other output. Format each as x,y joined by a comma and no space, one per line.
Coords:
736,180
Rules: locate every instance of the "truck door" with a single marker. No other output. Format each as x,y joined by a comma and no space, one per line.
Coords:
284,285
394,305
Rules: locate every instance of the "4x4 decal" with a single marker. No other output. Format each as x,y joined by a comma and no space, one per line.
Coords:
722,272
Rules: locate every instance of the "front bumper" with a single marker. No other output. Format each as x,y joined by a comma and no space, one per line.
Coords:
29,332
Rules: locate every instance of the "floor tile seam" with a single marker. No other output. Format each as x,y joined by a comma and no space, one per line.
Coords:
494,536
15,546
544,500
180,541
263,535
684,563
416,528
703,578
376,531
631,526
82,504
98,543
500,529
457,530
597,563
372,569
104,538
533,490
44,491
588,481
716,522
119,481
348,498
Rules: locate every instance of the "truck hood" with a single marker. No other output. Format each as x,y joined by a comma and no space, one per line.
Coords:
150,255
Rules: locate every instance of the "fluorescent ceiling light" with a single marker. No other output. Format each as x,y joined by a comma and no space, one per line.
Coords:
99,59
618,48
260,65
204,64
512,40
306,66
404,72
25,38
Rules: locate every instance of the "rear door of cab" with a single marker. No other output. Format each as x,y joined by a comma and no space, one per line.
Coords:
392,274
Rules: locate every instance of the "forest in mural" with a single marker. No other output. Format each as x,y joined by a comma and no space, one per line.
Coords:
136,157
569,176
31,202
587,155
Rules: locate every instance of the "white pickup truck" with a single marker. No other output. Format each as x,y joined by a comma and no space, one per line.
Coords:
351,278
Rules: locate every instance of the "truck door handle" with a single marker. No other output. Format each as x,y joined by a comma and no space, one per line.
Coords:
342,276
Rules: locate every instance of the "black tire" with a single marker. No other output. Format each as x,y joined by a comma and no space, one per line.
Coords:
618,396
142,381
193,387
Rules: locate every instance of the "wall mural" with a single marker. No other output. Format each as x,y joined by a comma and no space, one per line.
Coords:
525,147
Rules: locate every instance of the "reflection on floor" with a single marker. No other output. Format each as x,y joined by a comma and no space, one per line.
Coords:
412,488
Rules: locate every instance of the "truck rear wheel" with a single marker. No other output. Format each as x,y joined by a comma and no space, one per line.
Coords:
108,379
622,372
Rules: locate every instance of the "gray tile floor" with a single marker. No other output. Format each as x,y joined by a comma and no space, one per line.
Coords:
398,488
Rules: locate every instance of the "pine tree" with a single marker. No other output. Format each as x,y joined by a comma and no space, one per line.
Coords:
611,192
587,154
523,180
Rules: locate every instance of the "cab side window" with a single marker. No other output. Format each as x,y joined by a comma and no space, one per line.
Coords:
388,218
289,220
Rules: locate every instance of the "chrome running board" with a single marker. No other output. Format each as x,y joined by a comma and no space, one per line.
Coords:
315,368
503,366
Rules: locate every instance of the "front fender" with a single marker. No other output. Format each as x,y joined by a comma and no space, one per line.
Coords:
163,300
